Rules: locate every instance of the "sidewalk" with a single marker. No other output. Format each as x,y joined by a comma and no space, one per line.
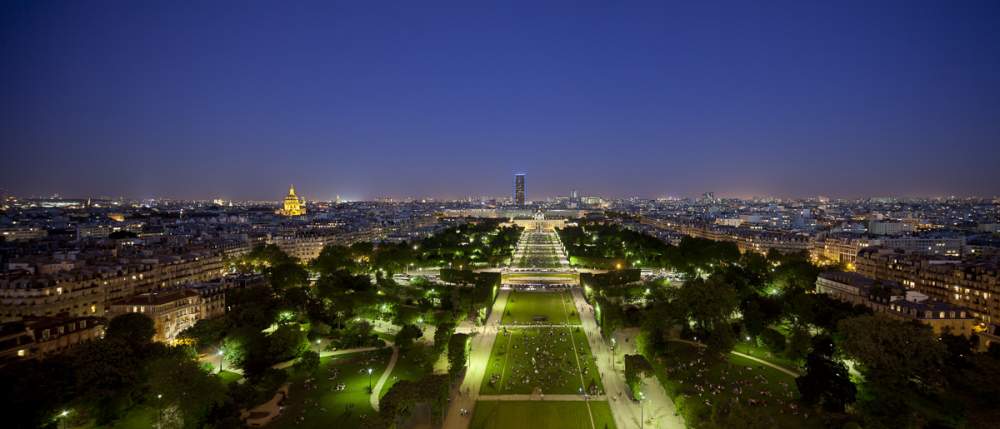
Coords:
627,413
482,344
385,376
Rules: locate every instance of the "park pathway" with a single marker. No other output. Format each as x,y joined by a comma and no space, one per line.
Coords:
659,407
214,359
468,391
627,413
374,398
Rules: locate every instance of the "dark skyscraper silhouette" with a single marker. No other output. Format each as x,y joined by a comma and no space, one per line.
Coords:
519,189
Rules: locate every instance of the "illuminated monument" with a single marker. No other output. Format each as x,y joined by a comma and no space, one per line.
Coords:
294,206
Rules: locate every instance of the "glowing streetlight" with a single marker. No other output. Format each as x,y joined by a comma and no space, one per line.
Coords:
369,379
642,410
62,418
159,409
221,360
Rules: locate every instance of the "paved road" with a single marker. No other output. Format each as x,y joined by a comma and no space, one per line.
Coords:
627,413
374,398
482,343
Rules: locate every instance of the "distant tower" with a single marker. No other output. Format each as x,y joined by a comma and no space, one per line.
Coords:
293,206
519,189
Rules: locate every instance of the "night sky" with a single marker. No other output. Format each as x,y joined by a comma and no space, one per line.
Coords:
241,99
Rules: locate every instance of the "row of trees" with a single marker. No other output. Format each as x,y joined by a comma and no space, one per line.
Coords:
474,244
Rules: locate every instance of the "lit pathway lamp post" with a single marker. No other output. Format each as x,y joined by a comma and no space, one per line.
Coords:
612,357
62,418
159,409
221,359
369,380
642,409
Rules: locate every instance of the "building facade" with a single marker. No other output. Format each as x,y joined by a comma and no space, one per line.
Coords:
519,190
972,282
894,300
38,337
172,311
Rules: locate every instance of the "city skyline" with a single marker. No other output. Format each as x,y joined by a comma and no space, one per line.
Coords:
842,100
499,215
277,196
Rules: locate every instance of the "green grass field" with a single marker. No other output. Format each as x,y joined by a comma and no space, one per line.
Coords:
139,417
322,406
229,376
552,308
546,358
686,372
541,415
406,368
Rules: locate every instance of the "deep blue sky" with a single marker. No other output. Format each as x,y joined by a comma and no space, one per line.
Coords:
240,99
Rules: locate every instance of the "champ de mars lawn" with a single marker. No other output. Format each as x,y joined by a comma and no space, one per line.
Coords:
551,308
542,415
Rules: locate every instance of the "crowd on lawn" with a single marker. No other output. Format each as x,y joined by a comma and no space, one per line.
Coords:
747,385
551,357
333,373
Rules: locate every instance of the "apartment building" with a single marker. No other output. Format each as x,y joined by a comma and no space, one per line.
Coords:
894,300
172,311
970,282
38,337
85,291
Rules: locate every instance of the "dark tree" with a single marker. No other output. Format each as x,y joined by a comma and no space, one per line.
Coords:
442,333
826,383
135,329
774,340
288,275
891,353
407,335
308,361
183,383
456,354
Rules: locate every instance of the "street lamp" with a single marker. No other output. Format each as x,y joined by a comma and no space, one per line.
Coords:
159,409
219,353
369,379
642,409
62,418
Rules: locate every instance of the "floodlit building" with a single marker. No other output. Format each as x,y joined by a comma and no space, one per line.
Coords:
172,311
293,205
